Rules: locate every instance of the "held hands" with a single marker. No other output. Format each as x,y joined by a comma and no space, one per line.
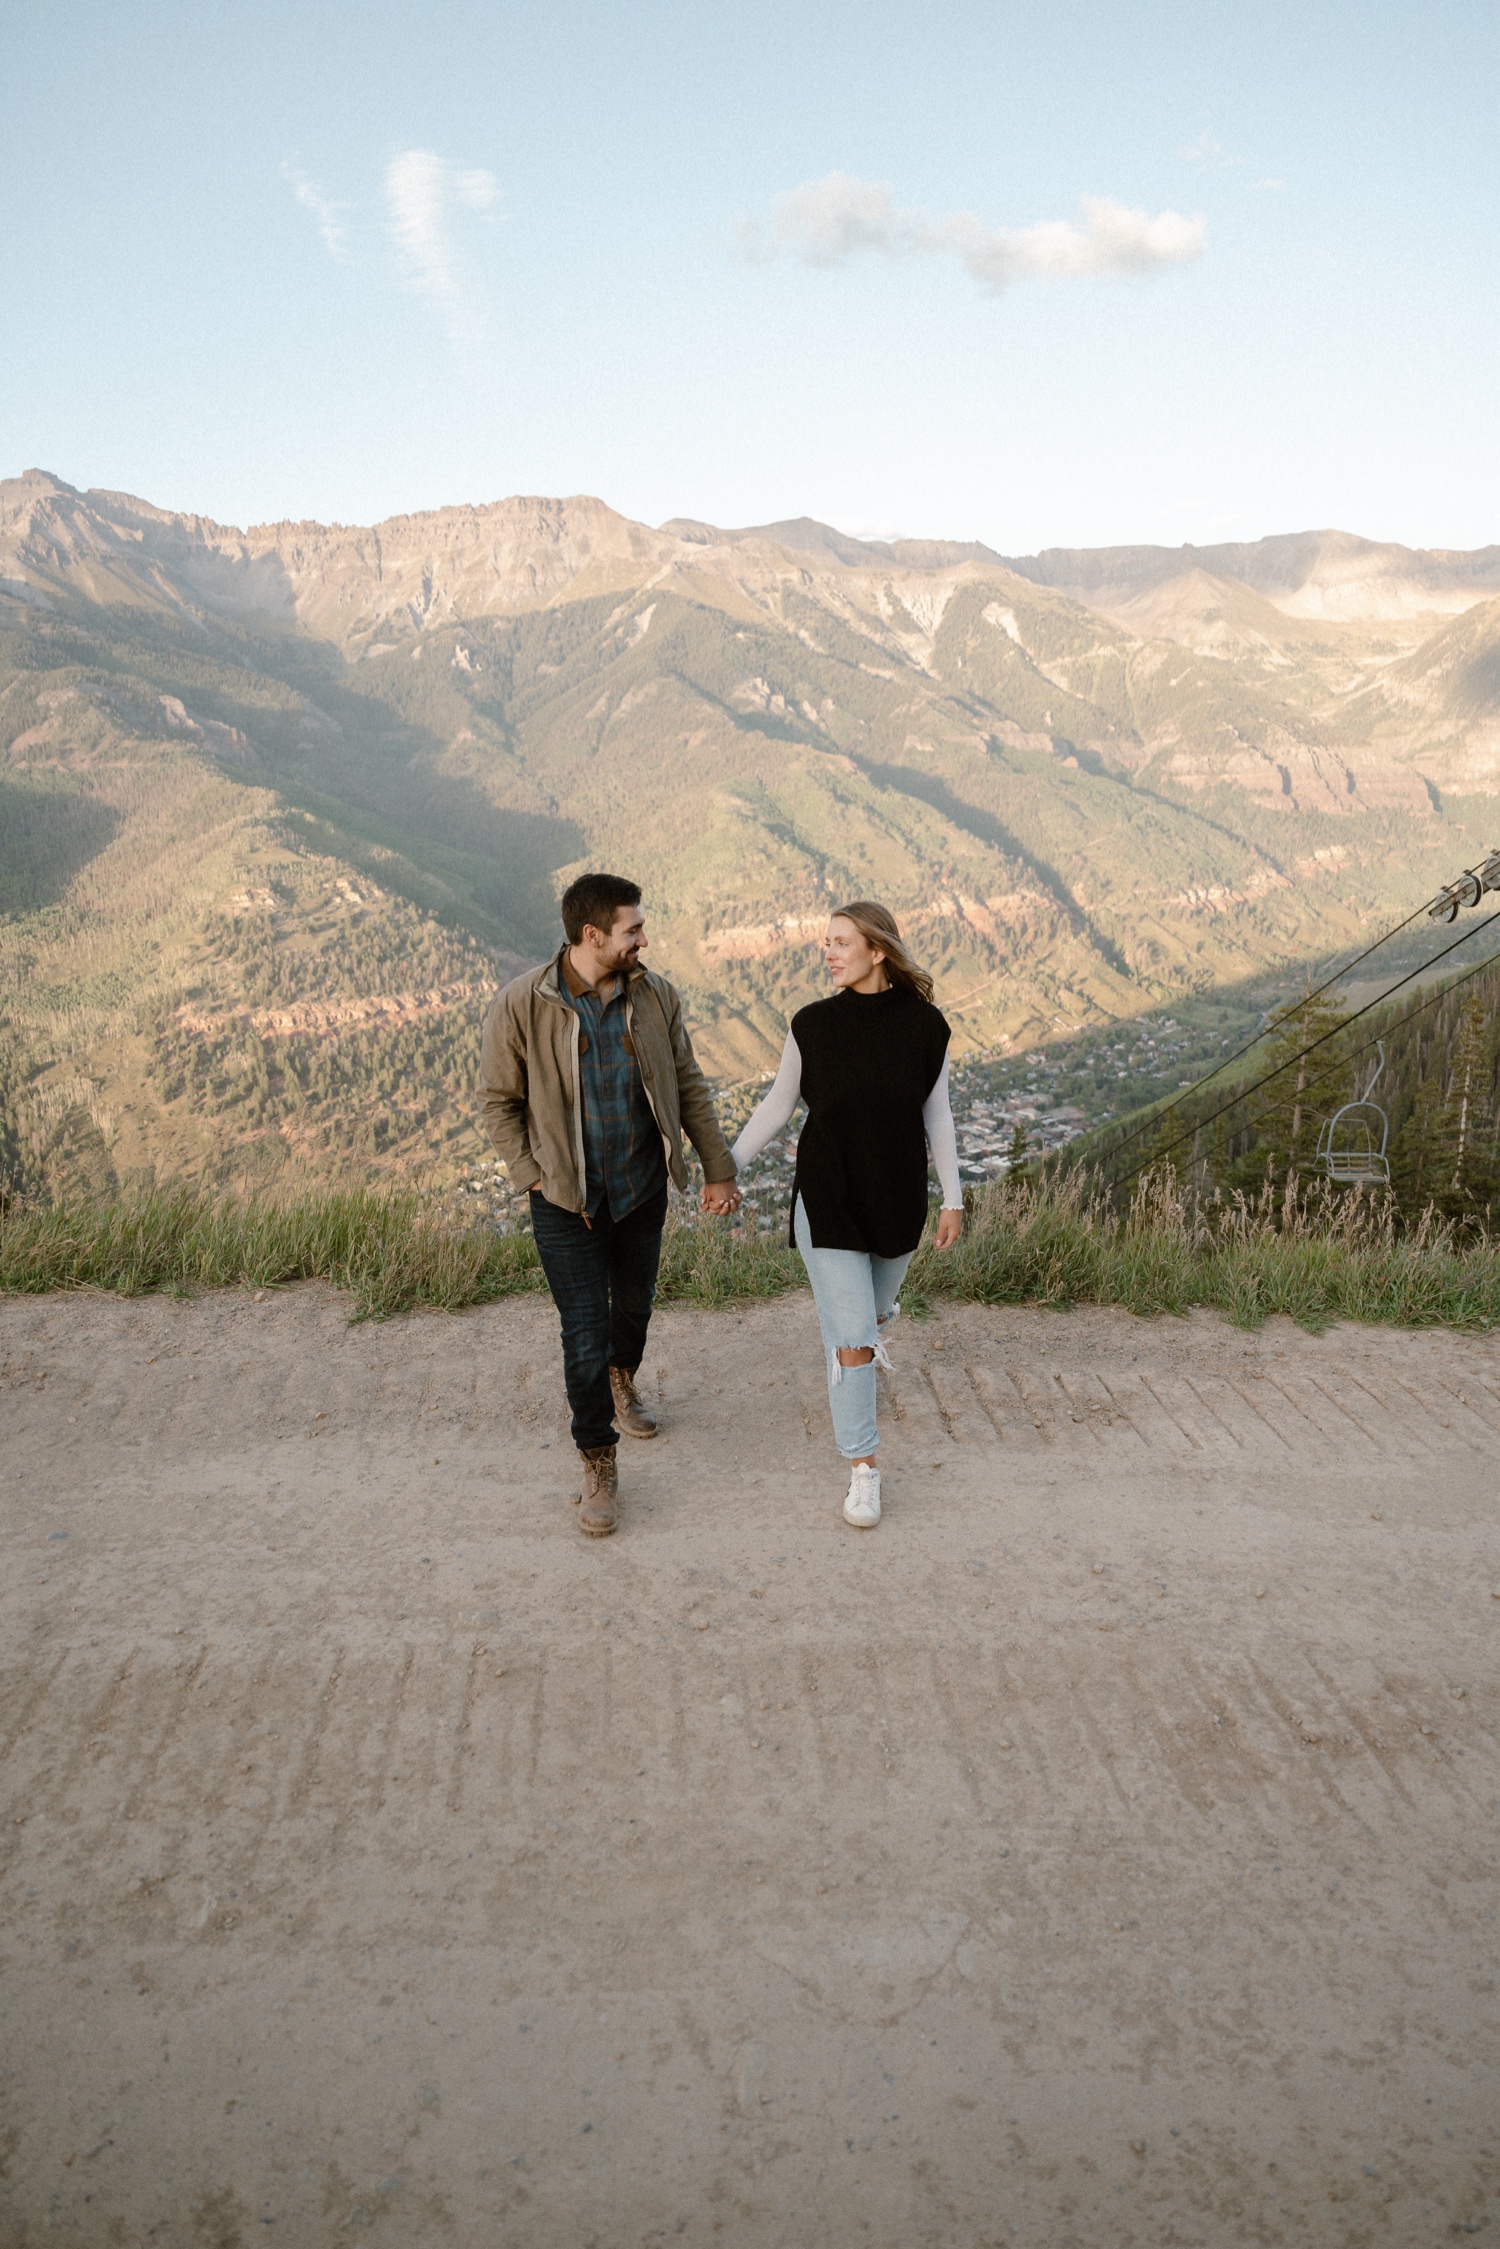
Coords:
949,1226
721,1198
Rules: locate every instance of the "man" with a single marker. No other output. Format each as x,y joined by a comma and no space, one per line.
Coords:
589,1082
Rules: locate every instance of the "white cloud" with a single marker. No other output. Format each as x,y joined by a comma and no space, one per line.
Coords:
826,222
417,193
421,192
1200,150
1112,239
329,214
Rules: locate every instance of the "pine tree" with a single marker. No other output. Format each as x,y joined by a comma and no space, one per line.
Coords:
1019,1149
1412,1156
1444,1155
1463,1133
1221,1154
1174,1146
1289,1111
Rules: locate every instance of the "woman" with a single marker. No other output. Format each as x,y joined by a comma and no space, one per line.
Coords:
872,1065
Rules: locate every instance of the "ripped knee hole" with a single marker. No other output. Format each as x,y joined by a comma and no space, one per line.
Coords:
851,1355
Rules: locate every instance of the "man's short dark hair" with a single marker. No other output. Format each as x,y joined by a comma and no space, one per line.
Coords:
593,901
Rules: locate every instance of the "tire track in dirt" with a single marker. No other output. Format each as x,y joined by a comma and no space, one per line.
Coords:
898,1846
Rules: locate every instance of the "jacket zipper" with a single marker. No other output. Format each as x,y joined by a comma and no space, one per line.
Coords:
666,1147
582,1160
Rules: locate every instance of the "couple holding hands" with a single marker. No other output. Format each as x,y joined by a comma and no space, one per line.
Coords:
589,1083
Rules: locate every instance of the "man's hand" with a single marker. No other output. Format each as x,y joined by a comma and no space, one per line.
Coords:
721,1197
949,1226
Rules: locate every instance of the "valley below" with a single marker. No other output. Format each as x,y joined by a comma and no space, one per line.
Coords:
280,809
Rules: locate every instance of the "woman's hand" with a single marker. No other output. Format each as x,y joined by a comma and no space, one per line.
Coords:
949,1226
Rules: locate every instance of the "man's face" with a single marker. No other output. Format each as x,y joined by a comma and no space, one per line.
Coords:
625,942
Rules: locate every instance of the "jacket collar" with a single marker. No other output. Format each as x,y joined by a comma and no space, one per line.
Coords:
555,982
549,979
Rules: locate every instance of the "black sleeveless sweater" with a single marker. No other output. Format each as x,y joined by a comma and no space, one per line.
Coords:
869,1061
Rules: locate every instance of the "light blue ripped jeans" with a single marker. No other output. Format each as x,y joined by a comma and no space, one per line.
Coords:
855,1294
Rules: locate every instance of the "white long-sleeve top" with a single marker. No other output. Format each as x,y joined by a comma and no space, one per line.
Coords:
774,1114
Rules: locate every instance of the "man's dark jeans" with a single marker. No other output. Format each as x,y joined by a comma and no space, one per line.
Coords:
603,1279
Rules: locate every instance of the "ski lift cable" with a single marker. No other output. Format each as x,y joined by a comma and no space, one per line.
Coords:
1281,1068
1450,892
1443,992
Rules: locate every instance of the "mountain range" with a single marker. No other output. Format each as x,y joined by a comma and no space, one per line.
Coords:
279,807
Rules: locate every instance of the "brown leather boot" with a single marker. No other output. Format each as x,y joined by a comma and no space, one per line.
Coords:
598,1502
629,1412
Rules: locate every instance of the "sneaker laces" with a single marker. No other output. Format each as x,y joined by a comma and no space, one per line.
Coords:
864,1488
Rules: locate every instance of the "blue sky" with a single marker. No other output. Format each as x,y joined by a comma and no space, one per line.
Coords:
339,262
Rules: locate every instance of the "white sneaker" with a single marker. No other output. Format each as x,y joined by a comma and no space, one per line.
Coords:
862,1507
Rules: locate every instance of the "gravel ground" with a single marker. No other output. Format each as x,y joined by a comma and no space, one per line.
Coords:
1102,1852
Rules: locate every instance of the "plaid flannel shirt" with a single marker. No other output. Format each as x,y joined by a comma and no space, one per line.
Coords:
623,1157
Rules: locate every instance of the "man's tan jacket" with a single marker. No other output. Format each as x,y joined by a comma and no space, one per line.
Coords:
533,1085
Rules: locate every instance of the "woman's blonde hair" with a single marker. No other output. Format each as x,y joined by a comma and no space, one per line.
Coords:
877,926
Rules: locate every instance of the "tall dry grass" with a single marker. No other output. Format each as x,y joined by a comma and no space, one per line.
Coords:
1311,1252
385,1250
390,1252
1316,1255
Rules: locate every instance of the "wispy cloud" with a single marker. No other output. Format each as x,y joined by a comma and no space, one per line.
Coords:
826,222
1200,150
423,194
328,213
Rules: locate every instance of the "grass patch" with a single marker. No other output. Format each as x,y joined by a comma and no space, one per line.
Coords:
703,1261
1316,1257
1315,1254
386,1250
391,1252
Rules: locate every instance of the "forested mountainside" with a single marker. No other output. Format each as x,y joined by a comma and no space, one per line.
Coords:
1415,1080
280,808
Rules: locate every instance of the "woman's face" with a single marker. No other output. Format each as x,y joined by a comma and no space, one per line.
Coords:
852,960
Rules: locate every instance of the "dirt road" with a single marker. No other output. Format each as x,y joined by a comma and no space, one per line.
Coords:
1100,1853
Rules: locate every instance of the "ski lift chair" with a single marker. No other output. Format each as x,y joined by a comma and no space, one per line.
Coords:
1351,1145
